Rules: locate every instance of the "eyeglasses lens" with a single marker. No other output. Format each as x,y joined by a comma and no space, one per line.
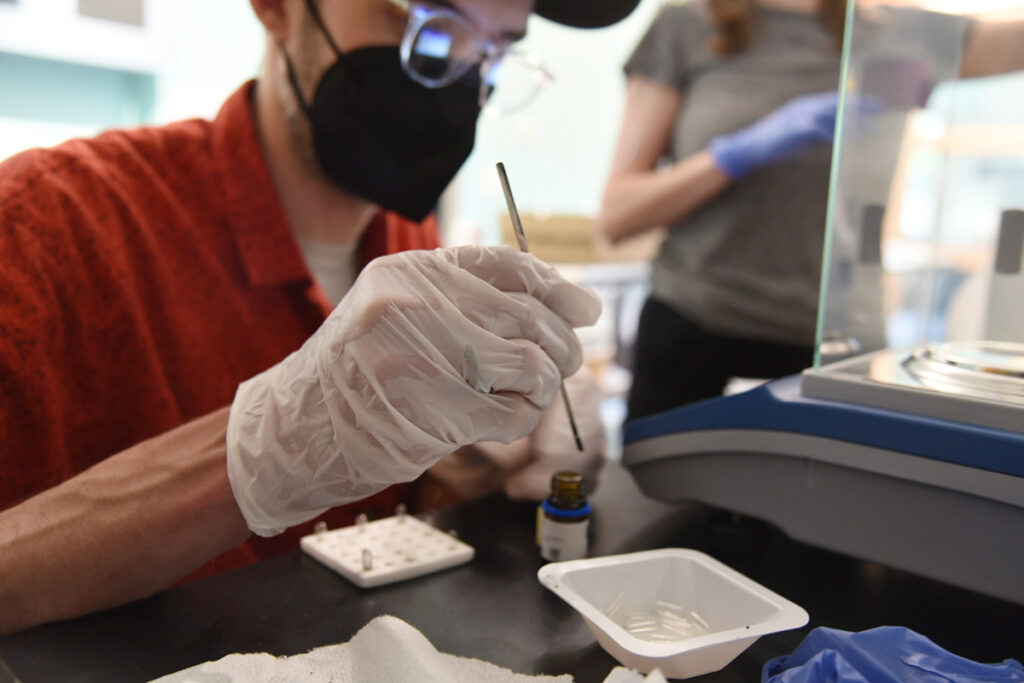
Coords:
514,82
442,50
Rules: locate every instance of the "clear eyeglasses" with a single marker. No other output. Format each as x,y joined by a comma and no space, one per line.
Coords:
440,47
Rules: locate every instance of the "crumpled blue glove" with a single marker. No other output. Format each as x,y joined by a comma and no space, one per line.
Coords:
781,135
887,654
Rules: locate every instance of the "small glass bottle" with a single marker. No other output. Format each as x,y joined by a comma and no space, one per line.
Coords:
563,519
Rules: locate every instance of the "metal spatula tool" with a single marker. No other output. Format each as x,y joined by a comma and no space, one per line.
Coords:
517,226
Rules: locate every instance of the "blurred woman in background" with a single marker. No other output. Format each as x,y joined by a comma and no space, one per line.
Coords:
729,115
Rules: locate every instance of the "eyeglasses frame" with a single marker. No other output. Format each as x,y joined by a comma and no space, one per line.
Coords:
490,55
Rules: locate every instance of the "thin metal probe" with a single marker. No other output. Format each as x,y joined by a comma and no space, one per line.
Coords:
517,226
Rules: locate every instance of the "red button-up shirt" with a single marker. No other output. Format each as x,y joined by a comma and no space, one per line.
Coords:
143,274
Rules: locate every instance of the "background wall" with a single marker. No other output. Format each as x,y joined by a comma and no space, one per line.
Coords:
65,73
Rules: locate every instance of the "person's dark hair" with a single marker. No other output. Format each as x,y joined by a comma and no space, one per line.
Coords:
734,20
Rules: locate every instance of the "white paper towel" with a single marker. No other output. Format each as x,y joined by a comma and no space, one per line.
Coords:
386,650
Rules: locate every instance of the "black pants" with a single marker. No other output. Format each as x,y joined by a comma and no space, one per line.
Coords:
676,362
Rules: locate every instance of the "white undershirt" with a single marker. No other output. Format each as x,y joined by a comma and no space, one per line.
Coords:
333,266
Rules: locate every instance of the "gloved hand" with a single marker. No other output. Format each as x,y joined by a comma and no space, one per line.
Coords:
523,468
781,135
429,351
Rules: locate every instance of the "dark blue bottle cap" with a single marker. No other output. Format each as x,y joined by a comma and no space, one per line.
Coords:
566,513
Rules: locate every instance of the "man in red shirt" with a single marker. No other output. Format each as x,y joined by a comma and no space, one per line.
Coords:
148,273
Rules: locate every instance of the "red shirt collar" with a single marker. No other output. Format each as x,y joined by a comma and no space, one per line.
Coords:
262,232
251,205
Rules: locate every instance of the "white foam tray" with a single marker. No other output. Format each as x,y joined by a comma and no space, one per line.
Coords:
737,611
400,548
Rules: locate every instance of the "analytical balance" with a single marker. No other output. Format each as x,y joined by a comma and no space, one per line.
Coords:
904,444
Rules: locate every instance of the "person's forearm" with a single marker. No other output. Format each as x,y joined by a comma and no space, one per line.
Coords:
995,46
121,530
635,202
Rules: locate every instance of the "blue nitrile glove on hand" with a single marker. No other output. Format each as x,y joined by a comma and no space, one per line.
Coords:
787,131
887,654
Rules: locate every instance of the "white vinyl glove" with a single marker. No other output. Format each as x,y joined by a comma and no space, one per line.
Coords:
523,468
429,351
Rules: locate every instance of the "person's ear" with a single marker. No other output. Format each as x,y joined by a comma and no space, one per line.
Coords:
273,14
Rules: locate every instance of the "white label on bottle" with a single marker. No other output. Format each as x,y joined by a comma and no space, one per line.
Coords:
563,540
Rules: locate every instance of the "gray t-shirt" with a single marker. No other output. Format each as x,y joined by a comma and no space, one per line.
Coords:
748,262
